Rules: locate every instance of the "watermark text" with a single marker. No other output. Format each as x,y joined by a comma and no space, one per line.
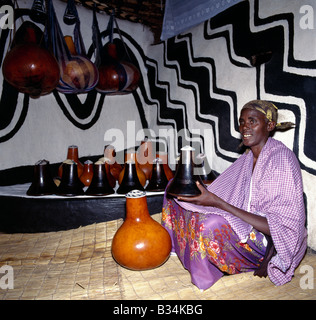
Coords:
307,279
307,18
6,277
6,17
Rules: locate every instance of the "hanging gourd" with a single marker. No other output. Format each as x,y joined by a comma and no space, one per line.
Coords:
133,74
78,73
70,15
115,76
38,11
29,66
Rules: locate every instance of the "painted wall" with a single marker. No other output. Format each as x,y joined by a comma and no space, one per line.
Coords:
204,76
43,128
194,84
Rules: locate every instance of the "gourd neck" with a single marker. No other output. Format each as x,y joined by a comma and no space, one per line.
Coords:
73,153
136,209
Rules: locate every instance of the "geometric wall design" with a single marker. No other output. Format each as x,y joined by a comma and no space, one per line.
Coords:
288,82
210,105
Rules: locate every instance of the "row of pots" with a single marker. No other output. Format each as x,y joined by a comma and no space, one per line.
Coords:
101,177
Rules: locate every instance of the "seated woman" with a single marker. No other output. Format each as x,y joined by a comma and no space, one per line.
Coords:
252,217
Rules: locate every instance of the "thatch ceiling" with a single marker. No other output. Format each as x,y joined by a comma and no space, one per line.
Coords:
147,12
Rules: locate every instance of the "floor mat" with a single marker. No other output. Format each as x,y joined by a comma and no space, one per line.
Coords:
77,264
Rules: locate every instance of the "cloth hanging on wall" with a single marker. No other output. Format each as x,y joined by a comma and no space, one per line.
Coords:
181,15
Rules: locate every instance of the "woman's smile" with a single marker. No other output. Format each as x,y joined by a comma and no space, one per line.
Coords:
253,128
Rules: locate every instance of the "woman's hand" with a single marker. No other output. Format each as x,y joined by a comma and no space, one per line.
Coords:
206,198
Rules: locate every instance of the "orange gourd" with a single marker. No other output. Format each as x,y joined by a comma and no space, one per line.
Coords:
145,157
141,243
87,173
115,168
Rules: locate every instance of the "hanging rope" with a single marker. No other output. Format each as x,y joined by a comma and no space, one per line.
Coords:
78,73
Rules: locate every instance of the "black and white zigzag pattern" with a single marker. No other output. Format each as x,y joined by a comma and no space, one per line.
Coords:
186,70
287,82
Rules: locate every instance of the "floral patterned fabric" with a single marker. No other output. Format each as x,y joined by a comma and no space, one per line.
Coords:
208,247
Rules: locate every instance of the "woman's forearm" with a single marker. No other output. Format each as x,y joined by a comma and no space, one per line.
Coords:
210,199
258,222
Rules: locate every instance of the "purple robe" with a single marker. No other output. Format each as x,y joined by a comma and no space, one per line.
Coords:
274,190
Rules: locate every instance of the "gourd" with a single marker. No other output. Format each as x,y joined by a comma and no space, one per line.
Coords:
29,66
141,243
78,73
116,77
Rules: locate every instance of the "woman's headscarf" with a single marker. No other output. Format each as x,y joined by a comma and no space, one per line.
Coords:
270,111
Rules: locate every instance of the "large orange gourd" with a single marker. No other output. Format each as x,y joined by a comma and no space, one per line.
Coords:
141,243
29,67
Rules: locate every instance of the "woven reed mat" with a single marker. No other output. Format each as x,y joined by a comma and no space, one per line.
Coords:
77,264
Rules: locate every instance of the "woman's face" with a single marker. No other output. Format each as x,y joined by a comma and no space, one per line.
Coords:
254,128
